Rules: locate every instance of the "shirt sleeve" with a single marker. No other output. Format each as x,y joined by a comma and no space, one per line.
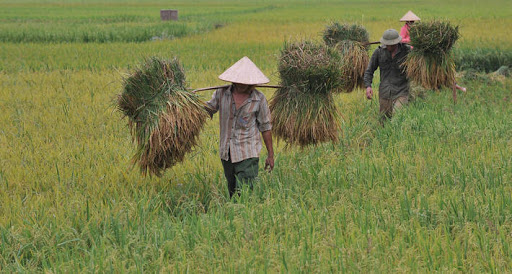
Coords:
263,116
213,104
404,32
372,66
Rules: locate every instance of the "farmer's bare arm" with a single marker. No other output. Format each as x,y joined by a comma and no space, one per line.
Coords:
212,106
267,138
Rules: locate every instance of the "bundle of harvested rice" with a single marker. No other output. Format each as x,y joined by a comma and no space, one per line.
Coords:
303,110
302,118
164,118
355,61
336,32
430,63
312,66
352,43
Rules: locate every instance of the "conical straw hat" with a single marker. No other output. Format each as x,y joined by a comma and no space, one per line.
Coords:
244,72
410,16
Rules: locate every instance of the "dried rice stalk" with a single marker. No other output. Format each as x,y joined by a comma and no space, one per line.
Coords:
336,32
355,60
301,118
352,43
164,118
430,62
303,110
315,68
430,72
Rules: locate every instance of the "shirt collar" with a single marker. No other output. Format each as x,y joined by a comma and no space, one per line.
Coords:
253,97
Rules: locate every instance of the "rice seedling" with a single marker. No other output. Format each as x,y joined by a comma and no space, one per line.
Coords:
303,110
352,43
165,119
430,63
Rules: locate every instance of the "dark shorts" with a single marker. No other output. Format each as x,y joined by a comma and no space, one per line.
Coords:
240,174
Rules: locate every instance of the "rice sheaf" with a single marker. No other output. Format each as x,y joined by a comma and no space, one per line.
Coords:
164,118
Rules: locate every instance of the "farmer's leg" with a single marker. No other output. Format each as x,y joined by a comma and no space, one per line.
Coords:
229,172
246,172
399,103
386,109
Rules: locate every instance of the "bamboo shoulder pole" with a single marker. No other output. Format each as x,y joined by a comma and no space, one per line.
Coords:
209,88
371,43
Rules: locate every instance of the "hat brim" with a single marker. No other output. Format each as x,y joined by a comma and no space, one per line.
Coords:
395,41
244,72
244,81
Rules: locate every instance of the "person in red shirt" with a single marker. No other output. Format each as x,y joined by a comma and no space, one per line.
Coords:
409,18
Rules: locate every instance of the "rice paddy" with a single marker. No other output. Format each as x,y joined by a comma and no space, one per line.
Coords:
428,191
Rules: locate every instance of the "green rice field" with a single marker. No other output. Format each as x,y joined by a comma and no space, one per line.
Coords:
430,191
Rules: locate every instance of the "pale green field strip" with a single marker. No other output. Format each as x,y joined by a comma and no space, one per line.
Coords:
261,40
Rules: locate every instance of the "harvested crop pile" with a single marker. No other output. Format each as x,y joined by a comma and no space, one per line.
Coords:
355,60
164,118
303,110
336,32
430,63
352,43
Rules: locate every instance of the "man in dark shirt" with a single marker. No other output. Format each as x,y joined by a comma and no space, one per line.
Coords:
394,85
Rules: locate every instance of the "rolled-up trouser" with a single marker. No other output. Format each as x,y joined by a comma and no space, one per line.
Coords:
240,173
388,107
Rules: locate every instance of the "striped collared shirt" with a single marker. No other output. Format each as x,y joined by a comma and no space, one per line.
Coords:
240,128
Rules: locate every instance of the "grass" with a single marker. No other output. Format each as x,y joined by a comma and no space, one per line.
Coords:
99,23
429,191
482,59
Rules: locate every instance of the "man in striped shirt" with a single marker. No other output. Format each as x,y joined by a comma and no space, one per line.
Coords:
243,114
